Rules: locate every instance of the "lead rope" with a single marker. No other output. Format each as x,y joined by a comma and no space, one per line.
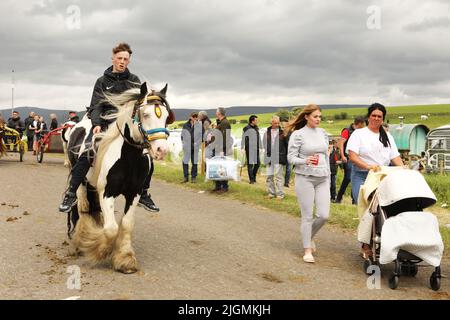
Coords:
69,225
135,145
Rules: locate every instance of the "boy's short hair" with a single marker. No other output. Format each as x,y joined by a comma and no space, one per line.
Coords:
122,47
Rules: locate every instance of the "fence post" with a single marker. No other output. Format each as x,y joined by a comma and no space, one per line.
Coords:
203,163
441,166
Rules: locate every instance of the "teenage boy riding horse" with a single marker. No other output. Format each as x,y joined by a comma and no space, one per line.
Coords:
116,79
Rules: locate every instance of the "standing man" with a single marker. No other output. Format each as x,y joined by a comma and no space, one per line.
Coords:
275,158
191,140
223,125
54,122
287,175
206,122
334,162
73,116
115,80
358,123
15,123
30,130
250,142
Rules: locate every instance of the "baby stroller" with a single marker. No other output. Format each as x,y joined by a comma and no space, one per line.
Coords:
400,231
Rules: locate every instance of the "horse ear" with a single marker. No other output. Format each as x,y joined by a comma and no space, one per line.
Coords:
170,118
144,90
164,90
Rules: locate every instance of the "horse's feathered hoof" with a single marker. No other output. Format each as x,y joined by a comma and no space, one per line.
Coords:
128,271
126,263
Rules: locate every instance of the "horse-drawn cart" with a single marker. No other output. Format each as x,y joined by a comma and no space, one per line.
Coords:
45,140
12,141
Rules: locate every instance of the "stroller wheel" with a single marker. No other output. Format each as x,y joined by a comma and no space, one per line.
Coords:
393,282
435,282
413,270
367,264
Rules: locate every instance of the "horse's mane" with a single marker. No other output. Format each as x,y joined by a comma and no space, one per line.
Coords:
124,103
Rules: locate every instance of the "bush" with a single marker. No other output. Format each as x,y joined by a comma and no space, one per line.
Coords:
337,117
296,111
243,121
344,115
232,121
284,114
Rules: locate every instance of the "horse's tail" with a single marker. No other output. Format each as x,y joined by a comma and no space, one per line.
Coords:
2,148
93,240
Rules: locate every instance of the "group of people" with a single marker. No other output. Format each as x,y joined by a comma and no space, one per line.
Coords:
300,143
274,145
34,126
365,148
303,145
216,137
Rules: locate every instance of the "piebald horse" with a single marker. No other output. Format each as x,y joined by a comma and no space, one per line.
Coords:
120,167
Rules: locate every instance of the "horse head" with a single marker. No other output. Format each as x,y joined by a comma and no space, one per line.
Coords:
152,113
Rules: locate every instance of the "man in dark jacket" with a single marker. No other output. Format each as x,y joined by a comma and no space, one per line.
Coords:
334,162
116,79
191,138
73,116
54,122
275,157
251,143
30,130
15,123
226,149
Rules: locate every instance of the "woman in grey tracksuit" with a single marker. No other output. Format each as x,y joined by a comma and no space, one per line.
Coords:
308,152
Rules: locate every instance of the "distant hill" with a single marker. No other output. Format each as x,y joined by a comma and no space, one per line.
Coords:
180,114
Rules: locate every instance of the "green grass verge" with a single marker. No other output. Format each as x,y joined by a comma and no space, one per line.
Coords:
342,215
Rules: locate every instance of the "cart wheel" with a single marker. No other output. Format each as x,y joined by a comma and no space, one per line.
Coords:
435,282
21,152
393,282
40,153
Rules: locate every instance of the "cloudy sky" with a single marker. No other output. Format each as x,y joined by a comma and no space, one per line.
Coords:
236,52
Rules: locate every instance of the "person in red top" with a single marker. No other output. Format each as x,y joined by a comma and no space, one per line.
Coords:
358,123
334,162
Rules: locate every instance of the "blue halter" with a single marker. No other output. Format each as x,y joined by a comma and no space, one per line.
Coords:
156,130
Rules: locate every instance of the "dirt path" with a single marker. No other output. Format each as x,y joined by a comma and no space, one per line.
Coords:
198,247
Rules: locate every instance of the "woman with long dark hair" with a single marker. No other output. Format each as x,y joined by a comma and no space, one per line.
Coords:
308,152
371,147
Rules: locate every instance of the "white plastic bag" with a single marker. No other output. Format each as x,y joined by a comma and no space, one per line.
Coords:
222,168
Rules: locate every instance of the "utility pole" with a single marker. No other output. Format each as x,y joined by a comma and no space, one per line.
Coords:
12,91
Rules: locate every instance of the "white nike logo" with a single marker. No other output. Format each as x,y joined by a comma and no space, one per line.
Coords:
107,88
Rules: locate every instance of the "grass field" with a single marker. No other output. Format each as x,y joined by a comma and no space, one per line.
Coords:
438,115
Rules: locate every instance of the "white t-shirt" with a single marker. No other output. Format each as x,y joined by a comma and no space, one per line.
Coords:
368,146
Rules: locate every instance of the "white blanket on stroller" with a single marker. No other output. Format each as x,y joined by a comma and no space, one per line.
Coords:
415,232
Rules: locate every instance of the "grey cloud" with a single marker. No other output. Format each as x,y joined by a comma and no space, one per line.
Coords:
428,24
241,47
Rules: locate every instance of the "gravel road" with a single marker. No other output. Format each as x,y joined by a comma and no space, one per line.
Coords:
200,246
